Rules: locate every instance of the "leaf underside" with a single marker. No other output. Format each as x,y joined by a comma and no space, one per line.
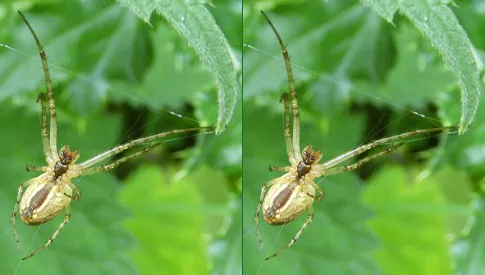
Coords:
437,22
206,39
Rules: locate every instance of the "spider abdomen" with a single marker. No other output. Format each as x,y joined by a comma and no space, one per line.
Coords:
43,201
285,202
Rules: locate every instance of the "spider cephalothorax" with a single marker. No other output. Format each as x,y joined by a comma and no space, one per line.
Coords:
66,159
309,158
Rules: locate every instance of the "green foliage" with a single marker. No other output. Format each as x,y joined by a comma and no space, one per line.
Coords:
195,23
410,218
470,250
166,220
117,78
438,23
360,78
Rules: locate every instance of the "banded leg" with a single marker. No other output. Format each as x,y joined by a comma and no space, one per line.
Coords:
291,84
279,169
29,168
264,189
366,147
297,236
50,92
289,143
321,194
123,147
77,196
54,236
16,208
43,129
113,165
350,167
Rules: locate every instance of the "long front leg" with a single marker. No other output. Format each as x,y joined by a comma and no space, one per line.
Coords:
107,167
366,147
353,166
43,129
54,236
289,143
123,147
50,92
294,99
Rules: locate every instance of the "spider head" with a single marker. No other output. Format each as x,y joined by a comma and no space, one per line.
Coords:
66,156
309,156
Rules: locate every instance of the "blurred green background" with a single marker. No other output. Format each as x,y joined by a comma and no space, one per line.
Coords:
419,210
175,210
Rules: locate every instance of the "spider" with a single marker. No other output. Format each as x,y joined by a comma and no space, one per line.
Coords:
290,195
47,195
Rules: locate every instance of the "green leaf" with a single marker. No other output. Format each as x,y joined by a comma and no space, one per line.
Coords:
173,218
172,67
167,222
438,23
195,23
429,79
470,249
411,222
466,152
227,251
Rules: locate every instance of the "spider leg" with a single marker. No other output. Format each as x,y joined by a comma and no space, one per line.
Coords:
366,147
16,207
297,236
291,84
107,167
120,148
279,169
43,128
76,197
264,189
289,144
50,92
321,194
29,168
54,236
350,167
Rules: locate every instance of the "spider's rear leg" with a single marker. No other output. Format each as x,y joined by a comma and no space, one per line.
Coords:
54,236
264,189
297,236
320,196
76,197
16,207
